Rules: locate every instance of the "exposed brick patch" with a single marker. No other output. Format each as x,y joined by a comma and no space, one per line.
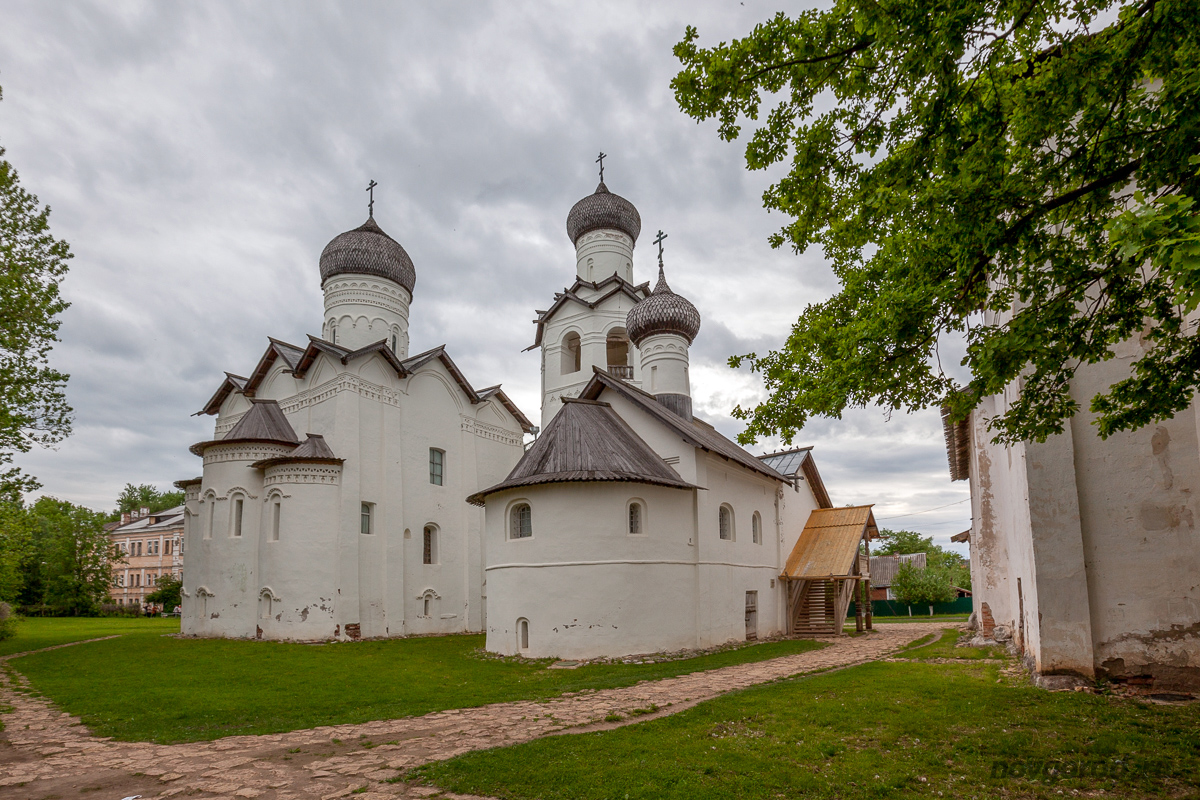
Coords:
986,623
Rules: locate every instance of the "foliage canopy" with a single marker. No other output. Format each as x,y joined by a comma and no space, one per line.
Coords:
33,406
1018,173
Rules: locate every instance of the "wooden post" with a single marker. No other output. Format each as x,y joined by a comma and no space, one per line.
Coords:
858,610
870,605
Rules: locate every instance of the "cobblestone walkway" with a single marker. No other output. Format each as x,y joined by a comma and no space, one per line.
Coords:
47,753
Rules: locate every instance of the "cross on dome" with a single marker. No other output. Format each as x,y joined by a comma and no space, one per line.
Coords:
371,203
658,240
600,161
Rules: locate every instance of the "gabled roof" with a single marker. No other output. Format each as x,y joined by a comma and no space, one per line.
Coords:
693,431
828,545
884,568
958,445
587,441
264,422
796,461
290,354
232,383
299,361
619,286
314,450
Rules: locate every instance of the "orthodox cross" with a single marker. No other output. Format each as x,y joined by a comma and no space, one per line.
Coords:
371,204
658,240
600,161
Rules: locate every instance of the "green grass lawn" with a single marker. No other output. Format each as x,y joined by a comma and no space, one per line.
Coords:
163,689
34,633
911,729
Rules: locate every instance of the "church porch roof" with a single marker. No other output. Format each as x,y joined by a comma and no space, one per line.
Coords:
828,545
587,441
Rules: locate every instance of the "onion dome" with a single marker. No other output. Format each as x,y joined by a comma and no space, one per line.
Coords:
603,210
367,250
663,312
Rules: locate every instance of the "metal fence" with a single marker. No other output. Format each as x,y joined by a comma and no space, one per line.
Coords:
894,608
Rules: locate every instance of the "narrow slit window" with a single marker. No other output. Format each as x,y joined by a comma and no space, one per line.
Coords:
437,466
725,523
635,517
429,554
428,605
366,525
237,517
275,512
523,633
756,528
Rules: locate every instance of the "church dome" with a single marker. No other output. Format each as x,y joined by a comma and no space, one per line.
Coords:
367,250
663,312
603,210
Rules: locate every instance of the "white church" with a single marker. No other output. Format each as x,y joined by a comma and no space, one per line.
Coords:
351,490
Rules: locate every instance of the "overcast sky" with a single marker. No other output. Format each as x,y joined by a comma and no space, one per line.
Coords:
198,156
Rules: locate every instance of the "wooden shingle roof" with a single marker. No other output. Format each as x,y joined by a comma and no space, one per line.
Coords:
587,441
264,422
828,545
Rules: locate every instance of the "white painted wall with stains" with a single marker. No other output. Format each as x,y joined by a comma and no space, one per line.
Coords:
1088,548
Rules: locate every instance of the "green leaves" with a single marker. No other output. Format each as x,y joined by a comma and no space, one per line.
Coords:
33,407
1012,174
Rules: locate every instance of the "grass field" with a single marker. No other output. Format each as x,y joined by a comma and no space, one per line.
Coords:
914,729
34,633
163,689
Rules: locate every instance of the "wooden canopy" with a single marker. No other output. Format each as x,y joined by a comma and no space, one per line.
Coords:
826,570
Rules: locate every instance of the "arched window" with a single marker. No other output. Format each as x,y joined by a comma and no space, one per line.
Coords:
523,634
429,555
333,333
235,524
636,517
428,603
617,347
725,522
366,523
212,515
394,342
571,354
276,511
520,522
756,528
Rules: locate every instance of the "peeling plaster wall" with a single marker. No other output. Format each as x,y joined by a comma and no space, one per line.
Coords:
1102,536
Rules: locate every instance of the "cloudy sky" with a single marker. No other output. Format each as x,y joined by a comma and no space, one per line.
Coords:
198,156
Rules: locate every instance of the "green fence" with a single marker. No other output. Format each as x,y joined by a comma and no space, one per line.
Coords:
894,608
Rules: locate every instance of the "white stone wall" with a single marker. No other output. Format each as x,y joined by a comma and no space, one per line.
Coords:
364,309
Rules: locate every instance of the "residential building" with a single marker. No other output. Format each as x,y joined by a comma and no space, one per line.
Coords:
148,544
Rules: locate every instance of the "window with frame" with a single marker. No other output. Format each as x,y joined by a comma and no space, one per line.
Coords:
429,551
520,521
366,521
437,466
756,528
635,517
725,523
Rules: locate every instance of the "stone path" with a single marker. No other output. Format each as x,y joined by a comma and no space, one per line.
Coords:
47,753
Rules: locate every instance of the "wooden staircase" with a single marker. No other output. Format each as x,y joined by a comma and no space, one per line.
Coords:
816,614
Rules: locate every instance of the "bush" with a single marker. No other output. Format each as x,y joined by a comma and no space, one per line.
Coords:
114,610
919,587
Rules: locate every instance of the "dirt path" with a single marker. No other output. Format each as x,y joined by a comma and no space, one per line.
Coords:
47,753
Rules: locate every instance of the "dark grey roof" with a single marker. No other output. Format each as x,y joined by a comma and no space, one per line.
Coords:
232,383
367,250
603,210
619,286
264,422
313,449
587,441
663,312
694,432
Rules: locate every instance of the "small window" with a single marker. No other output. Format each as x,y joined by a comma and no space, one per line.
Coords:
756,528
237,517
393,342
428,605
333,334
212,515
523,634
571,354
635,517
437,466
725,522
276,509
429,555
366,525
521,524
167,547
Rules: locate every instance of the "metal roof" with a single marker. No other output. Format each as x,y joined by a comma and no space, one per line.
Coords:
587,441
828,545
787,462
